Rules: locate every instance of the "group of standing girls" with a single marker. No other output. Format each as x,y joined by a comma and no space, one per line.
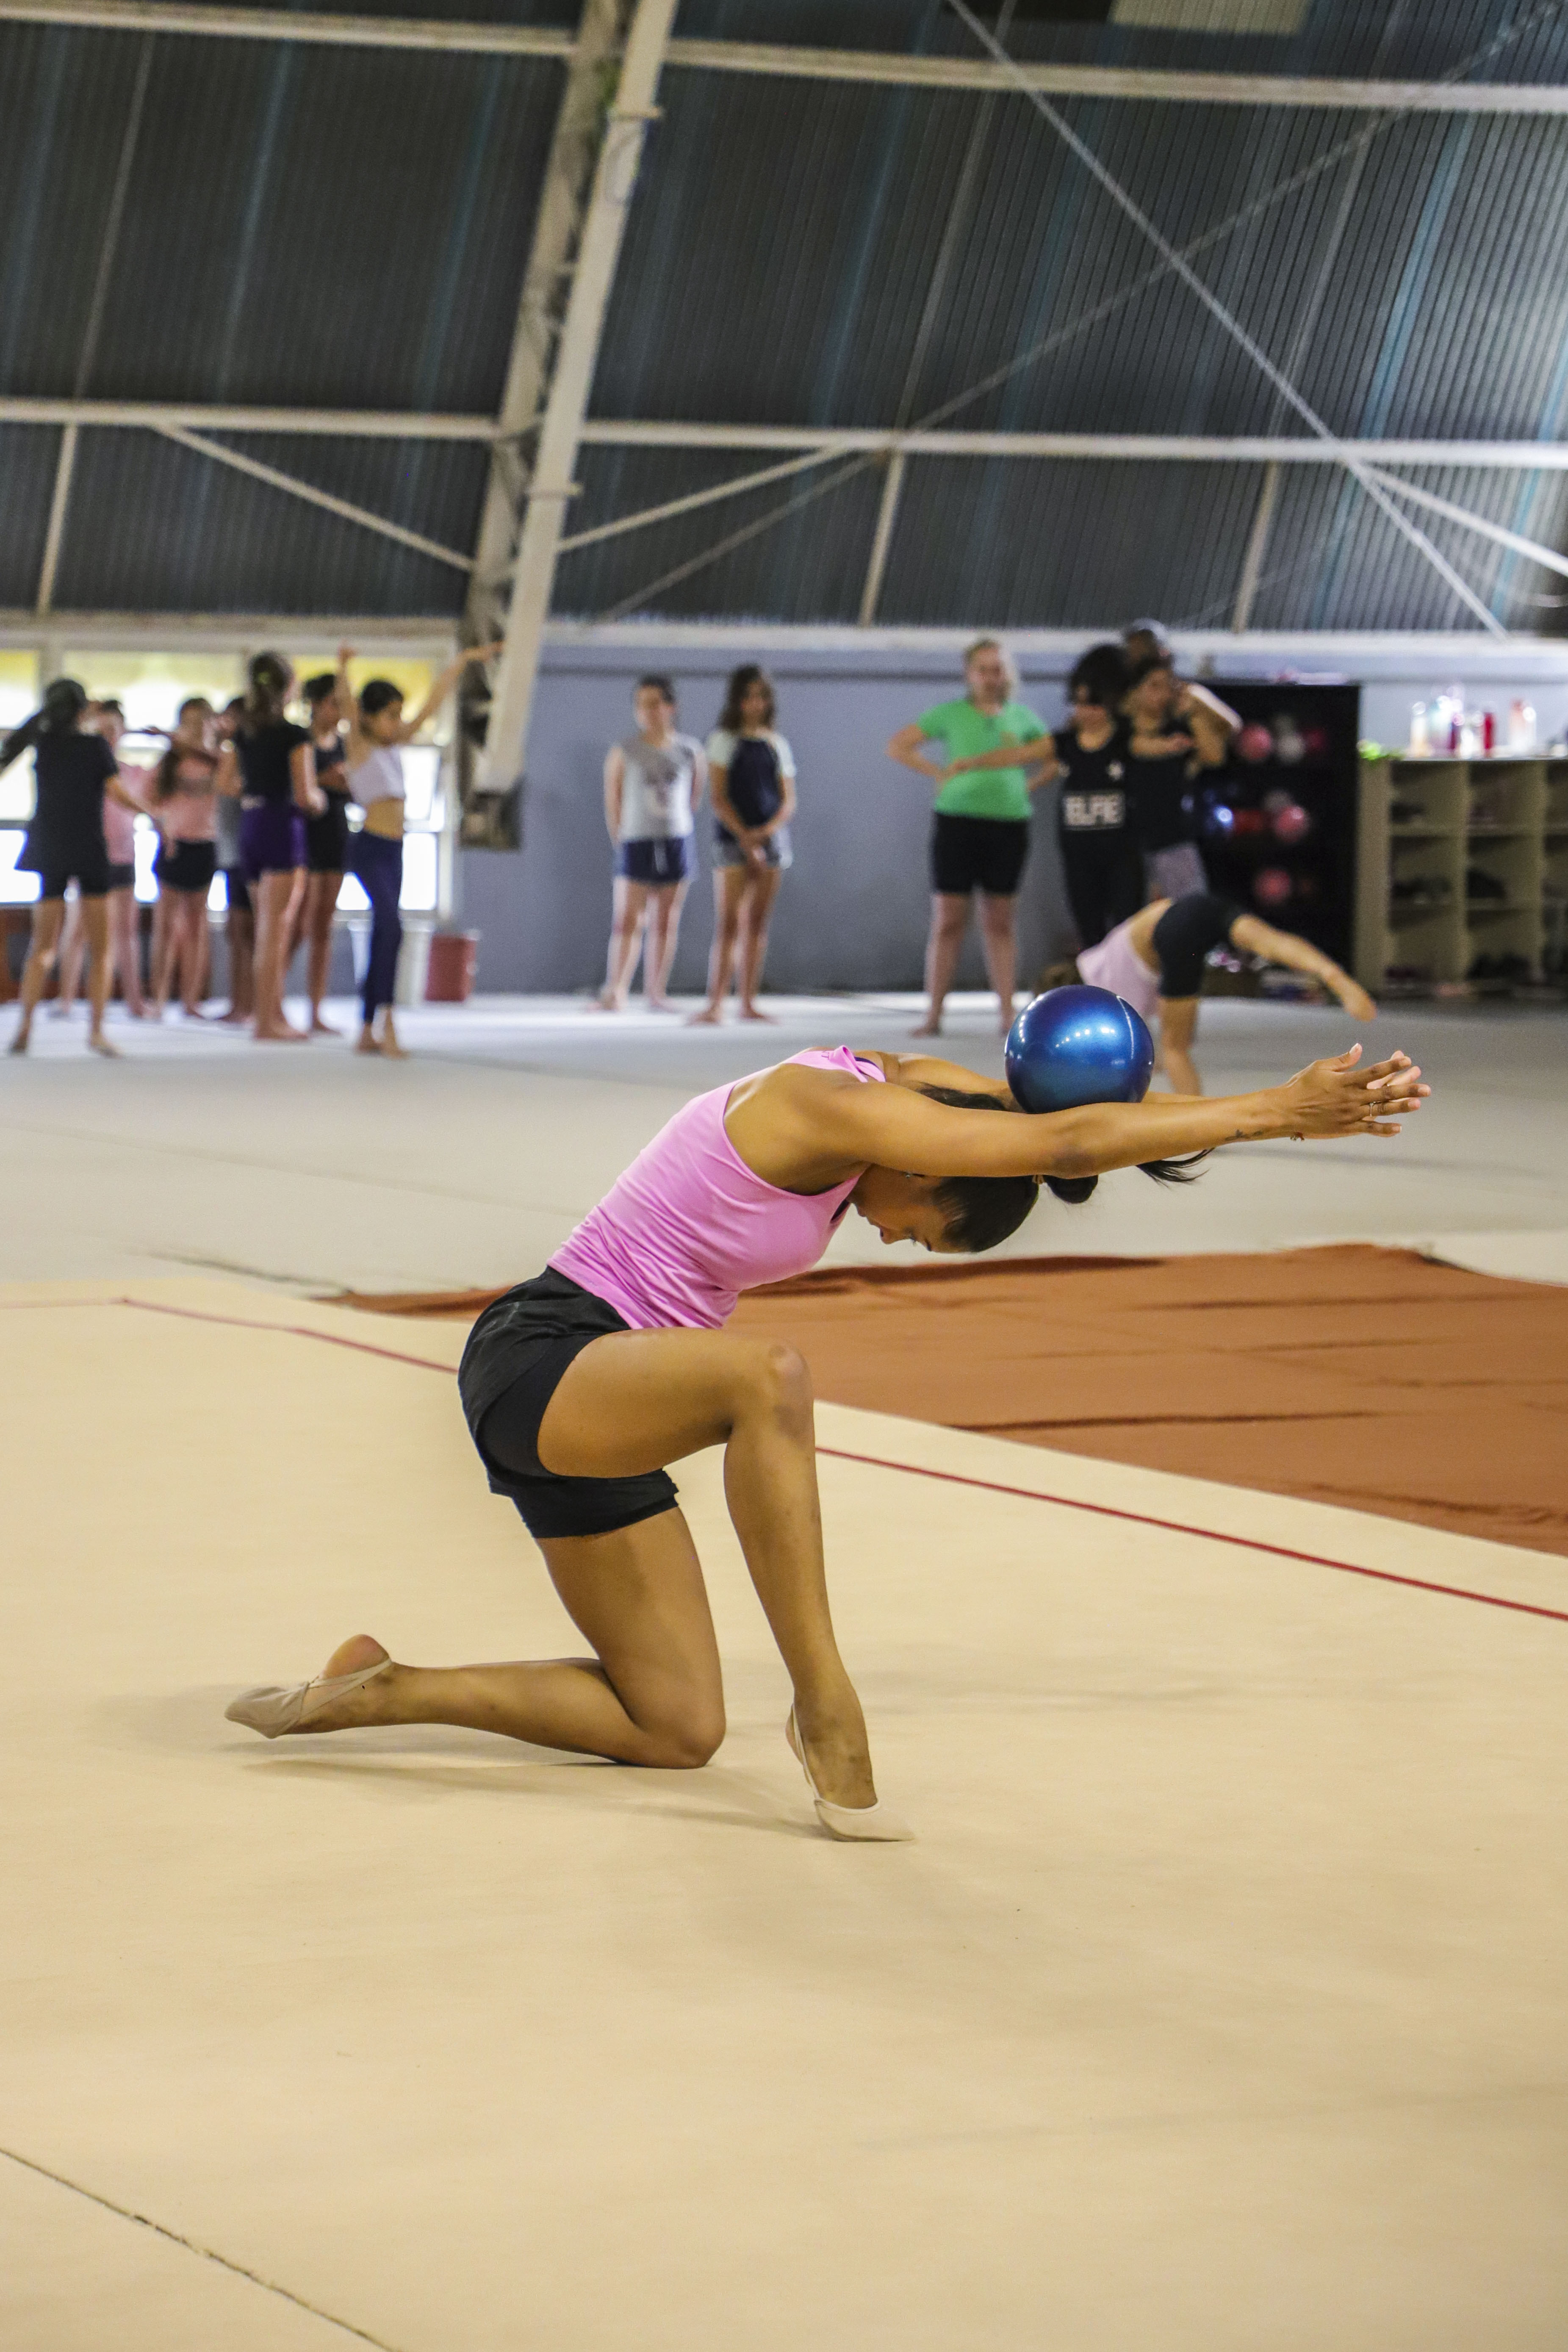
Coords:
294,784
1135,737
250,792
654,784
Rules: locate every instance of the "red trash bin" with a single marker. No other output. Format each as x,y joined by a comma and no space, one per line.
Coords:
453,961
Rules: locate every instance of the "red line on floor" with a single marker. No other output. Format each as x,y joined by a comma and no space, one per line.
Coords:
1210,1535
878,1462
293,1330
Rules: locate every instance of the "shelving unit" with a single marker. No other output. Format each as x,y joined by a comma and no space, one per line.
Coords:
1427,831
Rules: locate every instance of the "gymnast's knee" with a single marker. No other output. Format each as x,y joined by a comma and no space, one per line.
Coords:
777,1382
684,1737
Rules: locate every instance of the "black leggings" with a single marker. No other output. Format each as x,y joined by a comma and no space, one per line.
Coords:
1104,877
1184,935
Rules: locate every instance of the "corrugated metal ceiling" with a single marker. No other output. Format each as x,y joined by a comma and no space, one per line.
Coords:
348,228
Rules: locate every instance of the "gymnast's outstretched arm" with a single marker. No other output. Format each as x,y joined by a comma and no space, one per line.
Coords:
897,1126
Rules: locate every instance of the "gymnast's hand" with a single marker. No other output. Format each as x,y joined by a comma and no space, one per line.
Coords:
1336,1098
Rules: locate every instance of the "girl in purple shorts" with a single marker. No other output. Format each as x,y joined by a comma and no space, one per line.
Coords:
582,1386
271,766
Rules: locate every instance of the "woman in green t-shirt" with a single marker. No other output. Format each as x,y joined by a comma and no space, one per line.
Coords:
979,835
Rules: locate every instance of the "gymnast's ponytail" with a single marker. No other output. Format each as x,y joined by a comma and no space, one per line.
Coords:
271,681
1076,1189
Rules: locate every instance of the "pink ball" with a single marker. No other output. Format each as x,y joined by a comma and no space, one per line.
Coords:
1255,743
1272,887
1292,824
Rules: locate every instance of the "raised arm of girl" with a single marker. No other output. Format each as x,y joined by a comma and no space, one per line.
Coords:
442,685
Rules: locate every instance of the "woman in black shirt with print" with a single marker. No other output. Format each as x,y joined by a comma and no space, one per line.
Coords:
1100,860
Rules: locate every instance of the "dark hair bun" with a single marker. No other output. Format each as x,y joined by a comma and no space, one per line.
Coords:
1075,1190
65,699
268,672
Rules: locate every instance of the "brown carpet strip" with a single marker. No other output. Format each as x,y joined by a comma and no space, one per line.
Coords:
1356,1375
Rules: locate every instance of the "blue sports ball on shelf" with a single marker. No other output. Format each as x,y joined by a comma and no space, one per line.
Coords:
1076,1045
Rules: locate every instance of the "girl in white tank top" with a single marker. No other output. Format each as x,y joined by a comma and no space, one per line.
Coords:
373,770
652,783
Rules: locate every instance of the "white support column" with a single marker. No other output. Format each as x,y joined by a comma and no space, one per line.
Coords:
881,538
540,308
571,382
1257,541
65,467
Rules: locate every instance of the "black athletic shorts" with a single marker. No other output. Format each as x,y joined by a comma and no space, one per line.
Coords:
188,866
977,853
123,878
516,1355
1184,936
327,836
90,870
236,890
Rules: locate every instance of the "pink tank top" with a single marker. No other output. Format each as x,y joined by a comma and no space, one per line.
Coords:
689,1226
1116,964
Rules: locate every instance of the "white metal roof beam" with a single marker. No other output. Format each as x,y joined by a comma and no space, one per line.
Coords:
1254,449
353,423
1121,81
1160,448
286,24
789,61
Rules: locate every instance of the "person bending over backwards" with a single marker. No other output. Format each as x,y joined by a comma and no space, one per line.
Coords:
582,1386
1156,960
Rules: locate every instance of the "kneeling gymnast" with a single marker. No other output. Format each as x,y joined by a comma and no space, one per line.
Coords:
582,1385
1156,960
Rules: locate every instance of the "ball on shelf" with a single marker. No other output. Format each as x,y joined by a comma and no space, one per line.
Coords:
1291,823
1272,887
1077,1045
1255,743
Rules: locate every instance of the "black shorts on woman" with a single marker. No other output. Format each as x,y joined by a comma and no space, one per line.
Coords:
977,853
517,1354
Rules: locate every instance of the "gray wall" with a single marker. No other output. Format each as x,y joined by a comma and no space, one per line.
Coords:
852,913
